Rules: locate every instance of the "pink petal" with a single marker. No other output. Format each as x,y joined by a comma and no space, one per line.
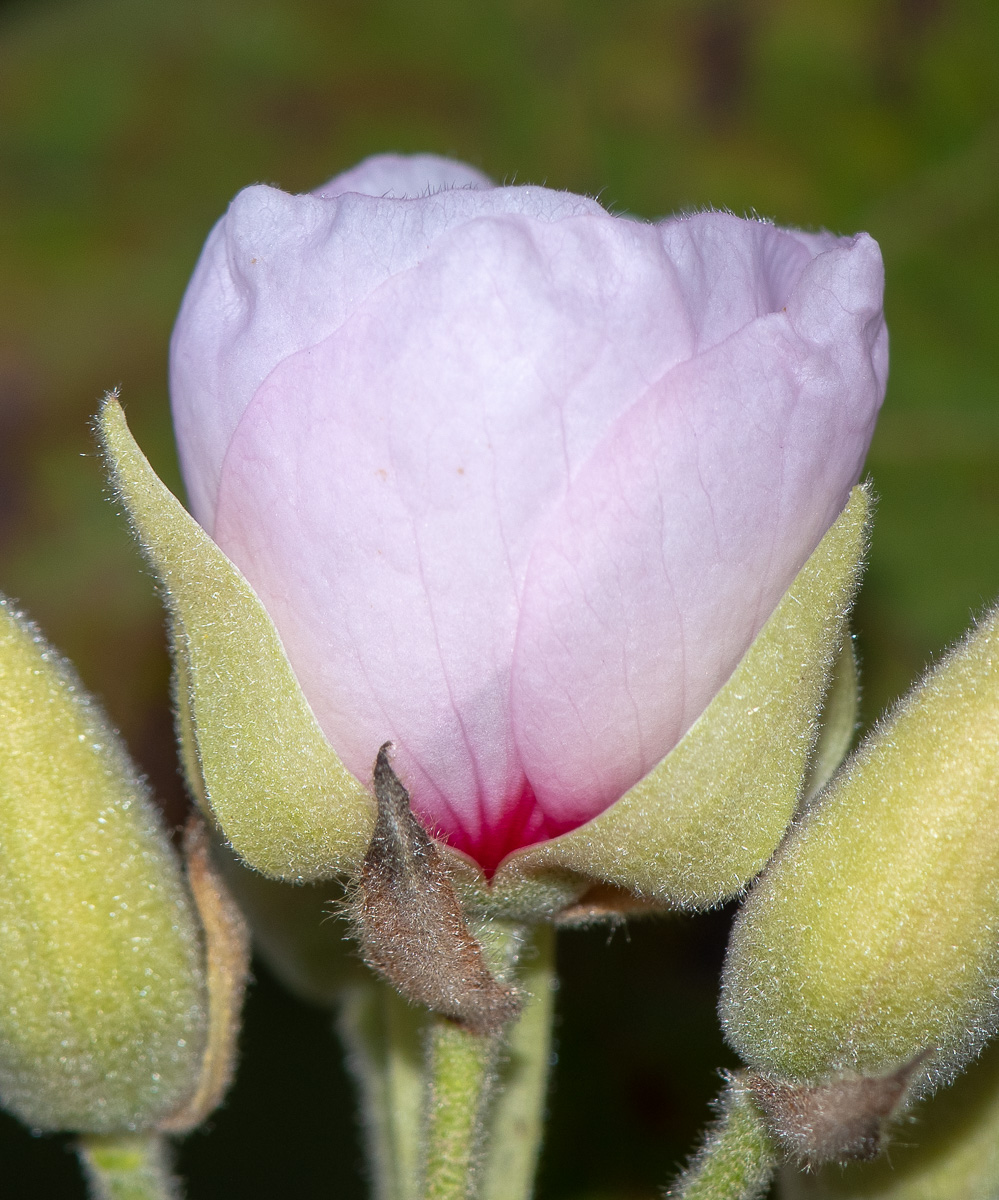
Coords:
679,537
383,491
280,273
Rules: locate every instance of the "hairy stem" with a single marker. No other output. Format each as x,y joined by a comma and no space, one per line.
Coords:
450,1114
128,1166
738,1158
516,1123
485,1103
461,1069
384,1039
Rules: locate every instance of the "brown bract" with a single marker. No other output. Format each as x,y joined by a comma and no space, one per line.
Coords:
409,923
839,1120
227,961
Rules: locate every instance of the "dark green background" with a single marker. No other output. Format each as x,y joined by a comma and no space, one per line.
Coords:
125,128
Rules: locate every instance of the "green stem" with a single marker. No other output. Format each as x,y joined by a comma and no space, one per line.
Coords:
450,1115
461,1067
384,1039
127,1166
486,1095
738,1158
516,1124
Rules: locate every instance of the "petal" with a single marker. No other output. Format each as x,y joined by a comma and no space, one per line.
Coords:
679,537
384,490
731,271
404,176
280,273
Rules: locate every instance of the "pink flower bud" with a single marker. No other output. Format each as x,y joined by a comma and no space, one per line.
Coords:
517,480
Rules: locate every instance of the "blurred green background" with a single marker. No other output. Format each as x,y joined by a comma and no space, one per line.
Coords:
125,128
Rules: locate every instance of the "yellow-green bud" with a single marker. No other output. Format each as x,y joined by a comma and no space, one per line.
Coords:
864,965
103,1006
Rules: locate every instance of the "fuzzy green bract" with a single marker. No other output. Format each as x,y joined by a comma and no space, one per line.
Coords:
252,748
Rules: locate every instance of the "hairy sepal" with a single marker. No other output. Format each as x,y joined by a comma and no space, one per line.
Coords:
251,745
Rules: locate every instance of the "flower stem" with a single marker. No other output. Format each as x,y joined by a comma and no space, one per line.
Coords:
127,1166
516,1123
384,1038
486,1094
451,1115
461,1068
738,1158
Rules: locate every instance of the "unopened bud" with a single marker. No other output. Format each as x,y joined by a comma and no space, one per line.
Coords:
103,1005
863,969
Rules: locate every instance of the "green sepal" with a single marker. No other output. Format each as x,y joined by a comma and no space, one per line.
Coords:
103,1004
839,722
872,940
251,744
704,821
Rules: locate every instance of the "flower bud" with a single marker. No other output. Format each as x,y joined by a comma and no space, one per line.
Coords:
104,1008
863,968
256,756
518,483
